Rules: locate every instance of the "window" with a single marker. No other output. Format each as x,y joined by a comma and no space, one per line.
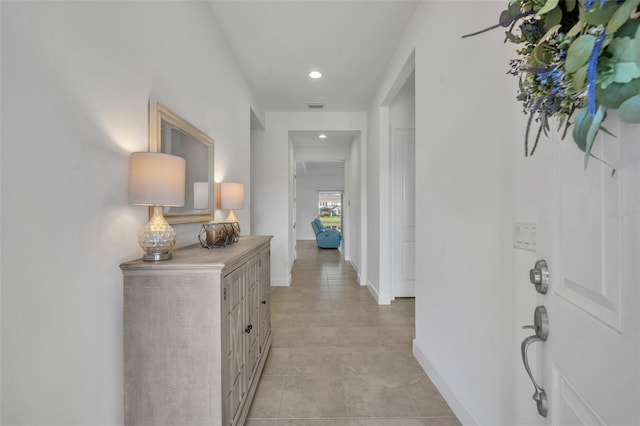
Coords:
330,209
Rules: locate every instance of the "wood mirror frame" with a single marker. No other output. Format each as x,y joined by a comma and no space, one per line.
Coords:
172,134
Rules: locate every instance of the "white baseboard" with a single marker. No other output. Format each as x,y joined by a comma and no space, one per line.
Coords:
448,394
380,300
357,269
281,283
373,291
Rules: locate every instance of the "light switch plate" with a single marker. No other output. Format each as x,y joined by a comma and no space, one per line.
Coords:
524,236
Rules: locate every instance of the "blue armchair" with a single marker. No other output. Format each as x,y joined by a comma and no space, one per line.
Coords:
325,237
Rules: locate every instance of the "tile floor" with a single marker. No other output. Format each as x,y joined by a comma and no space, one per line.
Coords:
338,358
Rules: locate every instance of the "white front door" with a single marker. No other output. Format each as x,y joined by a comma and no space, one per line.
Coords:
404,217
589,233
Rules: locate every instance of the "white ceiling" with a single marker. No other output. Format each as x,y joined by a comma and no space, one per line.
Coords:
334,138
278,43
335,141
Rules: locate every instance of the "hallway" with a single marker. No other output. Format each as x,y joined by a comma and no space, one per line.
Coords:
338,358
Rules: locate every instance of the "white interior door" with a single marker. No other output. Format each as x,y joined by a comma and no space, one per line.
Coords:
404,217
589,233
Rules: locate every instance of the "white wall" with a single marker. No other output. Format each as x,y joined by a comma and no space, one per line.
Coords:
354,202
466,142
307,200
271,179
402,111
76,81
291,208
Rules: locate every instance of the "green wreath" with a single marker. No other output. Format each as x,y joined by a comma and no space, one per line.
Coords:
577,59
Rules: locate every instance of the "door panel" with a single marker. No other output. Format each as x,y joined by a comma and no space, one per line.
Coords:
404,217
235,284
588,231
571,407
591,281
252,319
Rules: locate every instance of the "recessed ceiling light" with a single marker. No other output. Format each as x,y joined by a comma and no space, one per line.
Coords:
322,136
315,74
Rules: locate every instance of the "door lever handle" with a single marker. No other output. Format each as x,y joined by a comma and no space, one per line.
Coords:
541,327
539,396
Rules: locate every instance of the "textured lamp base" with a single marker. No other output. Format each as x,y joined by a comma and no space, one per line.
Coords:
157,238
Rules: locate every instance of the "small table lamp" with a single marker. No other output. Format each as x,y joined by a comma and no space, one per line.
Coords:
157,180
231,198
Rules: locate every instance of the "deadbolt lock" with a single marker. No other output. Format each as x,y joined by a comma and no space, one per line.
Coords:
539,276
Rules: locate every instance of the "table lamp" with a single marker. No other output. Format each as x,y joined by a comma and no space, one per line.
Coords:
156,180
231,198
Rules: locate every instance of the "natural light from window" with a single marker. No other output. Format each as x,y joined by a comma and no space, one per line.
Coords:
330,209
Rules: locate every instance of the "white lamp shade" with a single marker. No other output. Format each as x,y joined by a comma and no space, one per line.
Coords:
156,179
231,195
200,195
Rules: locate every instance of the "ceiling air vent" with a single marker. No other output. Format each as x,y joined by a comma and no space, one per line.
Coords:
315,105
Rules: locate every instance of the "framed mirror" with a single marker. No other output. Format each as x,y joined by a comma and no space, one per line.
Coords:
171,134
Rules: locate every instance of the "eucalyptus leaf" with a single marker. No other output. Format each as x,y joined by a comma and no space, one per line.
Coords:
581,128
637,41
575,30
625,59
599,15
579,78
548,7
512,37
514,8
553,18
622,15
630,110
593,132
570,5
616,93
505,18
541,55
629,28
579,52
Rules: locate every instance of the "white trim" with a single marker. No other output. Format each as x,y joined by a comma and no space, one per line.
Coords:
357,269
386,257
364,230
380,299
385,250
282,283
448,394
373,291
